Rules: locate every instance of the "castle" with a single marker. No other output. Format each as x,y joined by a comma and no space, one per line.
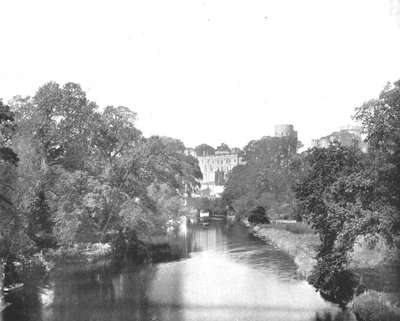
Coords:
349,135
214,169
216,164
286,130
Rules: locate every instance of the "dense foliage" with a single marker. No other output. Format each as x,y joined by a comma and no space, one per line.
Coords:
270,166
73,173
344,193
333,197
381,123
204,149
258,216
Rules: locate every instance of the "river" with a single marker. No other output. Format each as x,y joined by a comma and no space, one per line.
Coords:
219,272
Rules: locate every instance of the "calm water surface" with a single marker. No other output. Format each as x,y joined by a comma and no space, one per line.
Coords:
213,273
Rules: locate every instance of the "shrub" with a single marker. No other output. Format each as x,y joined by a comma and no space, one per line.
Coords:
258,215
374,306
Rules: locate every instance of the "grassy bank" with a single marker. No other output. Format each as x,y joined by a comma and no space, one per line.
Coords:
380,300
301,246
82,252
374,306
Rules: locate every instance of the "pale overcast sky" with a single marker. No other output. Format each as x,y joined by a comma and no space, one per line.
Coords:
208,71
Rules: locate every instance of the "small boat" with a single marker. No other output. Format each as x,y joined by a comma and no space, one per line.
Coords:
12,287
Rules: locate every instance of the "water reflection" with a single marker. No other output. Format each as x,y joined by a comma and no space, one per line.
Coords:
219,273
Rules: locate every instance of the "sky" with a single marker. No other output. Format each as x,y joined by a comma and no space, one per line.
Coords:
208,71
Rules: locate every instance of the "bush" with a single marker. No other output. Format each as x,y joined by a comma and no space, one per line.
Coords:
374,306
258,216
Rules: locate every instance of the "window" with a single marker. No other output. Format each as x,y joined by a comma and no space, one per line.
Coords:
211,169
234,160
205,168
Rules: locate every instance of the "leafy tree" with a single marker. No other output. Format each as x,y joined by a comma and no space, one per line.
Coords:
258,215
114,132
223,148
53,135
7,130
335,198
204,149
11,227
86,175
265,177
380,119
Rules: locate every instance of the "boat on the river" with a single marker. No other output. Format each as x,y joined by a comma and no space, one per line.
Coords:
12,288
204,214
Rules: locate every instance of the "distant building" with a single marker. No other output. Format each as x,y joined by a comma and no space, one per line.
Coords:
215,168
348,135
285,130
190,151
352,129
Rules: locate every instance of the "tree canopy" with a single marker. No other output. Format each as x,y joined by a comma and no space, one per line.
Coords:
344,193
86,174
204,149
265,177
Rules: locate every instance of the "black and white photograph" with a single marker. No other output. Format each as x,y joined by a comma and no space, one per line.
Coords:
200,160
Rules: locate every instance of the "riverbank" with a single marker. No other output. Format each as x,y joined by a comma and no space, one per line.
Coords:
302,247
380,300
78,253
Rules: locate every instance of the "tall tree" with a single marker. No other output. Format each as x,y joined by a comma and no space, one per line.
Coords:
381,123
334,197
265,177
10,222
53,135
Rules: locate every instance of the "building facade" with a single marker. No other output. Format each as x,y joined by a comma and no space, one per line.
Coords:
214,168
213,165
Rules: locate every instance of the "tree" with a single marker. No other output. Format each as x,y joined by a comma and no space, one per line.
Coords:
265,177
54,135
204,149
258,215
335,198
114,132
7,130
380,119
223,148
86,175
11,238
